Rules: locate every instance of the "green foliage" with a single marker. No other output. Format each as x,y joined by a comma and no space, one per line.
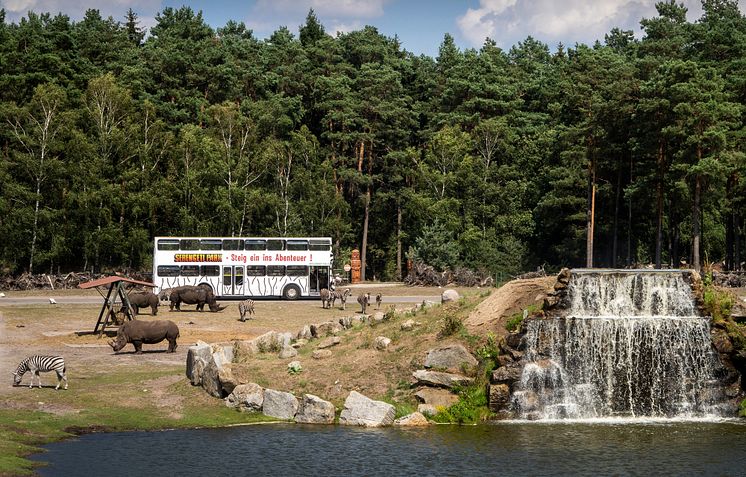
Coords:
452,324
742,409
718,304
476,158
470,409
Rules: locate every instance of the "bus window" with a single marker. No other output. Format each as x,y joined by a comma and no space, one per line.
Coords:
168,244
297,245
239,276
211,244
232,244
320,245
168,270
190,244
297,271
275,270
210,270
227,276
190,270
274,244
254,244
255,270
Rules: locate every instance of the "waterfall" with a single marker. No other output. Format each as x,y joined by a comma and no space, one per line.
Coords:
631,345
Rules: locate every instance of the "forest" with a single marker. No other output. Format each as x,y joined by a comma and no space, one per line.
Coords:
623,153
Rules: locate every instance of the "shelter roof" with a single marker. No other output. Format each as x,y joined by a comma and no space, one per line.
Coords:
113,279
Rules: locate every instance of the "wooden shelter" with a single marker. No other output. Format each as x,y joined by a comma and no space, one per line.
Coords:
109,309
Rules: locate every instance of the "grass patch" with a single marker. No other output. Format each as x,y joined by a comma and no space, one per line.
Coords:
718,304
104,402
470,409
516,320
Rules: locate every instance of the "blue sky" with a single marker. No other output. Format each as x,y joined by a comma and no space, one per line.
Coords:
420,24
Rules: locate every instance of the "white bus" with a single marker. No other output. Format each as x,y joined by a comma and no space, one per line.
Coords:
245,267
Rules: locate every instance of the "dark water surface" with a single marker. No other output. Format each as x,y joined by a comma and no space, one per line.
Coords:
699,448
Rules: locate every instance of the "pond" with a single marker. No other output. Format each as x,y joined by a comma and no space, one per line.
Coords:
516,448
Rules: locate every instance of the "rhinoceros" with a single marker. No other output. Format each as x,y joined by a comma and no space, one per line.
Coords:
142,300
138,332
192,295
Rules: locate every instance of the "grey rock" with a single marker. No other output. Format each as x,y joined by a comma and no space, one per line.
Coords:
299,343
288,352
499,397
279,404
437,378
211,380
329,342
412,420
407,325
246,397
452,357
437,397
427,409
381,343
325,329
314,410
507,374
321,354
378,317
200,351
227,381
305,333
360,410
449,295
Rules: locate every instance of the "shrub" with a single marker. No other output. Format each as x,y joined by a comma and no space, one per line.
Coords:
718,304
452,324
470,409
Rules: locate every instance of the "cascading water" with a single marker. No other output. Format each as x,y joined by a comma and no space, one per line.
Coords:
631,344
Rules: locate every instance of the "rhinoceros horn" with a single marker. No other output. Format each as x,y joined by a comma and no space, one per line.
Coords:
218,308
110,343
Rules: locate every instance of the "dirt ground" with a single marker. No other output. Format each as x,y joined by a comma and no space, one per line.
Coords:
513,297
55,329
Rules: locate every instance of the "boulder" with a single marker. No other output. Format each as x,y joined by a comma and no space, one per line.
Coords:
381,343
437,378
360,410
279,404
507,374
228,381
211,380
449,295
222,353
305,333
198,356
325,329
499,397
411,420
452,357
427,409
329,342
246,397
314,410
299,343
321,354
378,317
288,352
407,325
437,397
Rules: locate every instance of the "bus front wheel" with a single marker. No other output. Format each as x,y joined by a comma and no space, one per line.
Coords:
291,292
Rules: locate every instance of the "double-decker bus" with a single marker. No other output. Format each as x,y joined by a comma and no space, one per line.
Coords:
245,267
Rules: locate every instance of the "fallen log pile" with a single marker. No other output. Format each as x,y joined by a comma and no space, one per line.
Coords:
729,279
425,275
45,281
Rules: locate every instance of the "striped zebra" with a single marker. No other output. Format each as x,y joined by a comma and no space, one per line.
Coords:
379,299
37,364
246,307
326,298
364,300
341,296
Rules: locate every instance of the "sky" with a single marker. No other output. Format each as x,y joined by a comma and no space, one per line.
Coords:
419,24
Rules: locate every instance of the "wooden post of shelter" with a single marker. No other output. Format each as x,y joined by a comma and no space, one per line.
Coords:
109,307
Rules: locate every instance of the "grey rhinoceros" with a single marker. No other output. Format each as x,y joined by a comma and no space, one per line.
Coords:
142,300
192,295
138,332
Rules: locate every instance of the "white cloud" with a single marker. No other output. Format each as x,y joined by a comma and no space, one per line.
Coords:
553,21
75,9
345,27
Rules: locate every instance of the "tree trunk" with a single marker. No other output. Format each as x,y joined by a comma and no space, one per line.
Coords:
591,213
737,242
398,241
615,237
366,220
659,206
696,228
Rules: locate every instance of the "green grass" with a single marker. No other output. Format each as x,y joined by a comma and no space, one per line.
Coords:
105,402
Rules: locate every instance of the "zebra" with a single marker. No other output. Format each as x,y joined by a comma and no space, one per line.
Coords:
379,299
246,307
37,364
326,298
364,300
341,296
